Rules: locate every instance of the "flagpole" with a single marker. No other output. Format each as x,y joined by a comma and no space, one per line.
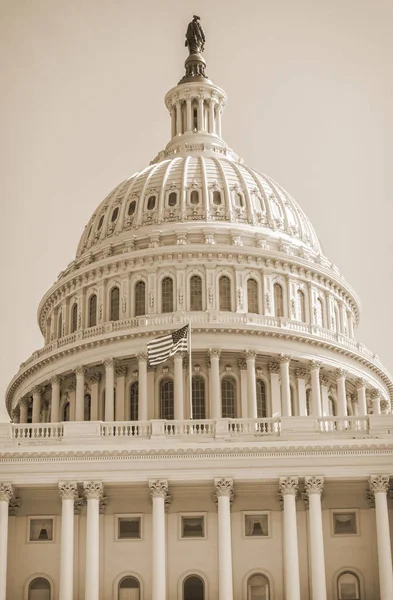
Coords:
190,365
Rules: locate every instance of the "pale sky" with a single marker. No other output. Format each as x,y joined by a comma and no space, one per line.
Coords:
310,90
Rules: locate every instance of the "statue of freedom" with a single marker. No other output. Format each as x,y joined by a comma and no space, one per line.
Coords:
195,36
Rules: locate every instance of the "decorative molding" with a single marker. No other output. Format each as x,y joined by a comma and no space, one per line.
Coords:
103,504
109,362
94,378
121,370
214,352
301,373
379,483
288,486
341,372
315,365
274,367
324,380
93,490
242,364
250,354
78,505
68,490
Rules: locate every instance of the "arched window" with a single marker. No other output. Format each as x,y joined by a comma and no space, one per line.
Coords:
194,198
332,407
66,412
319,307
193,588
87,407
261,400
115,304
225,293
198,398
195,293
93,310
301,306
134,398
348,586
167,295
140,298
39,589
258,587
228,396
252,296
60,325
335,320
217,198
195,118
74,318
239,200
278,300
131,208
172,199
151,202
308,403
129,589
166,399
115,214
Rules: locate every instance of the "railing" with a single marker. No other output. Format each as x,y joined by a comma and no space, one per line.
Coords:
140,429
198,427
238,427
344,424
37,431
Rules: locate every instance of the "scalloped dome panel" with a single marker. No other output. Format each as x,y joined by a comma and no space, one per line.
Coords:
199,189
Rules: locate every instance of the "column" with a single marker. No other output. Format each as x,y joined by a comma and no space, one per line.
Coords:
313,490
36,404
215,387
121,372
376,402
274,369
188,113
379,485
93,492
142,387
173,121
285,387
242,364
68,492
178,118
342,410
178,392
219,113
158,494
361,392
23,410
211,116
224,494
315,366
55,401
301,375
343,319
288,490
251,384
324,382
80,394
201,115
94,380
6,493
109,364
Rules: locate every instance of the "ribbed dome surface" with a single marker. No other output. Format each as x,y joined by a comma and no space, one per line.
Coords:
198,188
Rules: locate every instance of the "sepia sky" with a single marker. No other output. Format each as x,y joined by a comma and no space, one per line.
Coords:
310,89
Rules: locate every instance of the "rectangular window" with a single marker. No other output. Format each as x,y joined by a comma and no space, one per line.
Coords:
41,529
256,524
345,522
192,526
128,527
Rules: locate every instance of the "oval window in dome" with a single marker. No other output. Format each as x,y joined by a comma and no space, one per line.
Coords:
114,214
151,203
194,198
216,198
172,199
131,208
100,223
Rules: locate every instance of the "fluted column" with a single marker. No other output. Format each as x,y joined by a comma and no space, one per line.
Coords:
55,401
159,494
121,372
342,410
211,116
93,492
173,121
376,402
36,404
142,387
288,487
379,485
274,369
362,401
251,384
188,113
109,364
315,366
80,394
201,114
285,387
178,118
68,492
23,410
6,493
301,375
214,356
313,491
324,383
224,494
218,121
178,392
94,381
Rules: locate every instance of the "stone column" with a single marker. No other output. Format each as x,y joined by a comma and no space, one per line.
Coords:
285,387
36,404
6,493
342,410
23,410
219,113
178,118
251,384
159,494
324,383
376,401
173,120
178,392
201,115
55,402
216,407
188,113
121,372
361,391
301,375
142,387
379,485
224,495
245,411
288,487
80,394
274,369
93,492
313,491
211,116
109,364
68,493
94,380
315,366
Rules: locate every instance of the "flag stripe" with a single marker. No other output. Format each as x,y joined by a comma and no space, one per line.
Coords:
161,348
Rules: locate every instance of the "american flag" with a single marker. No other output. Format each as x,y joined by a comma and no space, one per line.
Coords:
161,348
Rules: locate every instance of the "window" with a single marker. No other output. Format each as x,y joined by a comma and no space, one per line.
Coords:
228,397
166,399
278,300
193,588
151,203
115,214
115,304
301,306
172,199
319,307
66,412
167,295
217,198
87,407
100,222
258,587
261,400
131,208
239,200
256,525
134,397
308,403
332,407
194,197
345,523
195,293
225,293
40,529
195,118
60,325
129,589
198,398
39,589
335,320
74,318
252,296
140,298
93,310
348,586
192,526
129,528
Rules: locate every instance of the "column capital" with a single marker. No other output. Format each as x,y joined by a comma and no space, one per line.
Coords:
13,507
121,370
374,394
214,353
24,401
324,380
315,365
36,390
79,370
301,373
242,364
55,379
224,487
341,373
94,377
103,504
142,357
6,491
273,367
93,489
68,490
109,362
360,383
284,359
250,355
159,488
288,486
314,484
378,483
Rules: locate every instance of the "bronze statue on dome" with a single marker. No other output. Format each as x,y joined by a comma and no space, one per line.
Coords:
195,36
